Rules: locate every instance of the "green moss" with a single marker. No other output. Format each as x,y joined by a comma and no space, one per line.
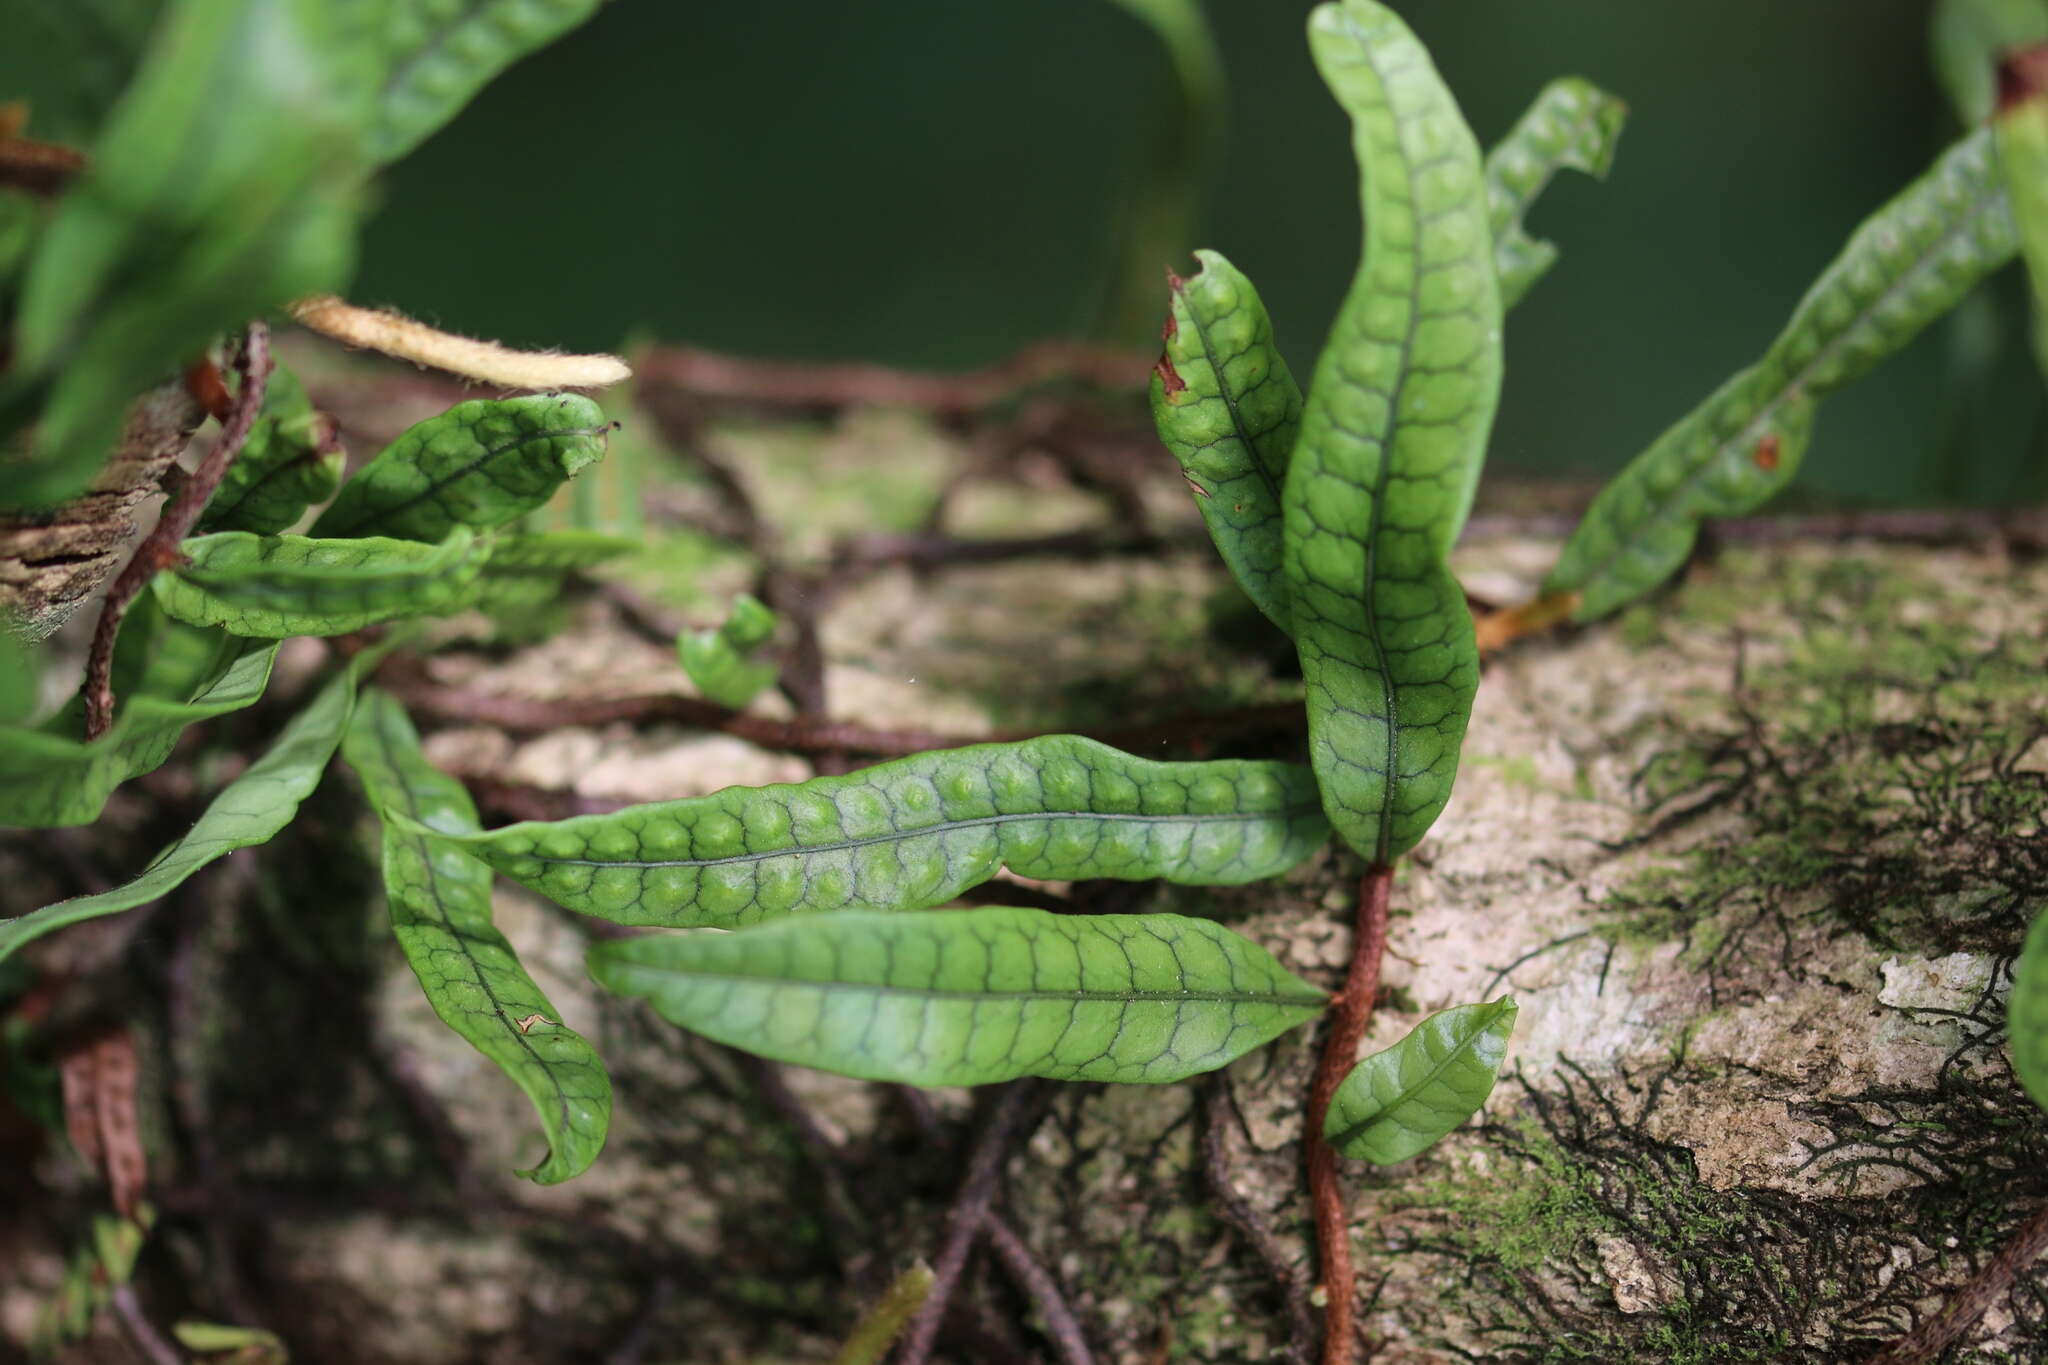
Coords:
1873,749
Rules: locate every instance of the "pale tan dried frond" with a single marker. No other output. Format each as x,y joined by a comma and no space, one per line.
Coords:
394,334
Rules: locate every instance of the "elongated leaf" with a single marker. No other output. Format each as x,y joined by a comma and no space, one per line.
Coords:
1391,442
479,464
1229,410
971,997
2026,1013
290,462
728,665
438,53
1909,263
223,185
530,571
916,832
1397,1102
1573,125
49,779
269,587
19,675
441,912
248,811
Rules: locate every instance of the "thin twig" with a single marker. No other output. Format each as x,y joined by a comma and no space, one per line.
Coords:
1036,1281
970,1208
1238,1212
833,386
141,1331
804,735
159,549
1978,1293
1348,1020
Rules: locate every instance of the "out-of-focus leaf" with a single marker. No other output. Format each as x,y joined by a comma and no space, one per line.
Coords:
441,913
49,778
480,464
69,60
529,571
2021,130
18,678
2026,1013
270,587
437,54
290,461
248,811
1397,1102
728,665
971,997
1905,266
223,186
916,832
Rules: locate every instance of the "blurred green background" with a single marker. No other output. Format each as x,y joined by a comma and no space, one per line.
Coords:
929,182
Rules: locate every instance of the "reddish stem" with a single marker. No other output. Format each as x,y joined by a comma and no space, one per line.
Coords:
1983,1289
159,549
1349,1016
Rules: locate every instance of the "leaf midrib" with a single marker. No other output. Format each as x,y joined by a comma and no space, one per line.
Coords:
371,519
1317,1000
1408,1093
804,850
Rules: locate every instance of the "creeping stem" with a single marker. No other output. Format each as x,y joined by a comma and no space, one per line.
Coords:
1350,1014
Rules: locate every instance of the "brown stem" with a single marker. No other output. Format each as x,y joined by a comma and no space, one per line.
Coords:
798,385
970,1207
1037,1282
159,549
1497,629
1348,1019
1237,1211
1978,1293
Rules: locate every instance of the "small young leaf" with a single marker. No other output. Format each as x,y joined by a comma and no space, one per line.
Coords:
1573,125
1905,266
49,778
441,913
1397,1102
438,53
1391,442
971,997
290,462
269,587
480,464
248,811
2026,1013
727,664
1227,407
917,831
